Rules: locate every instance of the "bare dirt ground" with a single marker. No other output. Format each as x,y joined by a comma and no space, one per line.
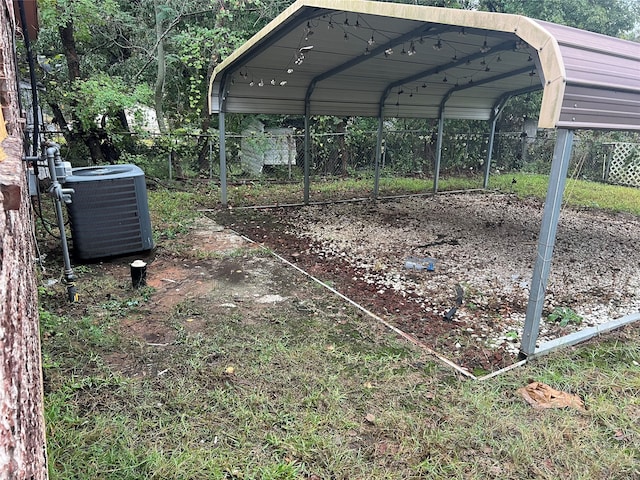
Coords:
470,308
484,245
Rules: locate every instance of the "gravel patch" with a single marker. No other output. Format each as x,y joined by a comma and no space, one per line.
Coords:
485,243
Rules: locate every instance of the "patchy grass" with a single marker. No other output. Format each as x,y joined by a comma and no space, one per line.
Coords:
297,396
578,193
310,389
336,188
172,213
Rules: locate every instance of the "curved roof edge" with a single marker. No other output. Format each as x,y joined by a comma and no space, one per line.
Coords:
589,80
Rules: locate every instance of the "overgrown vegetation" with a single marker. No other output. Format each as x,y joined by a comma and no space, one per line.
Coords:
128,81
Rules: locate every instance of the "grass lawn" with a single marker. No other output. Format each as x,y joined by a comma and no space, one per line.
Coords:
315,390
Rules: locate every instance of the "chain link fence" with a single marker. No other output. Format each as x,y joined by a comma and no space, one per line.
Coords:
278,155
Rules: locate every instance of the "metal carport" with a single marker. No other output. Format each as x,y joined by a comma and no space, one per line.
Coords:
363,58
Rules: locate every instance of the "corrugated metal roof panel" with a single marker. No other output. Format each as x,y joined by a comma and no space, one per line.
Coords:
602,80
348,57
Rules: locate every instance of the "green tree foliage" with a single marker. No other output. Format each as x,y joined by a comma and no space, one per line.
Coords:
615,18
100,57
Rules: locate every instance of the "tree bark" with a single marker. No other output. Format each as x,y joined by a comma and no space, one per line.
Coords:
22,432
162,72
205,123
70,52
91,138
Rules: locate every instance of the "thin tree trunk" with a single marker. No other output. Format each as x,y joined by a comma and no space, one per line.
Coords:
90,138
70,51
162,72
205,124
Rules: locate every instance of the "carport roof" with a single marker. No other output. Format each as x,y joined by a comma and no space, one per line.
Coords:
363,58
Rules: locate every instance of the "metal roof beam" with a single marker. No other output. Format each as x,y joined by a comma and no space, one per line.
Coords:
495,78
502,101
420,31
294,23
290,26
440,68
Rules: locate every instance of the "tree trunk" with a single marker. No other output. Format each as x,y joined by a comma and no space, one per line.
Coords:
70,51
205,124
22,433
91,138
342,142
162,72
94,144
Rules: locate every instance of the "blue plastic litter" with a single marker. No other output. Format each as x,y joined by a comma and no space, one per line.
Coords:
416,263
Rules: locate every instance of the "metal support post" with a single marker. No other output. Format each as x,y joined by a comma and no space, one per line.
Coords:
487,164
546,241
307,155
210,158
223,160
376,180
436,168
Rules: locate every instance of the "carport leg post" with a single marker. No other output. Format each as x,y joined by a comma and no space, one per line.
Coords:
223,160
487,165
546,241
307,155
210,158
376,180
436,169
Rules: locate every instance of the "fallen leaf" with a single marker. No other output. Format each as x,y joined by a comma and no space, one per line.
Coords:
370,417
540,396
229,370
367,385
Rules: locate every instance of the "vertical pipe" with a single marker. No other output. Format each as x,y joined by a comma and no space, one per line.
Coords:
436,169
376,180
35,105
546,241
307,155
223,159
487,165
58,193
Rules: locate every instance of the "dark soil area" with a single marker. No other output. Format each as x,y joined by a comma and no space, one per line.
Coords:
404,312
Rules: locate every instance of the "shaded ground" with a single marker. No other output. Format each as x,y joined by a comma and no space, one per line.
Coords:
217,274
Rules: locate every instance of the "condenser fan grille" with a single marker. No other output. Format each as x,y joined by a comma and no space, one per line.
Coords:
109,216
